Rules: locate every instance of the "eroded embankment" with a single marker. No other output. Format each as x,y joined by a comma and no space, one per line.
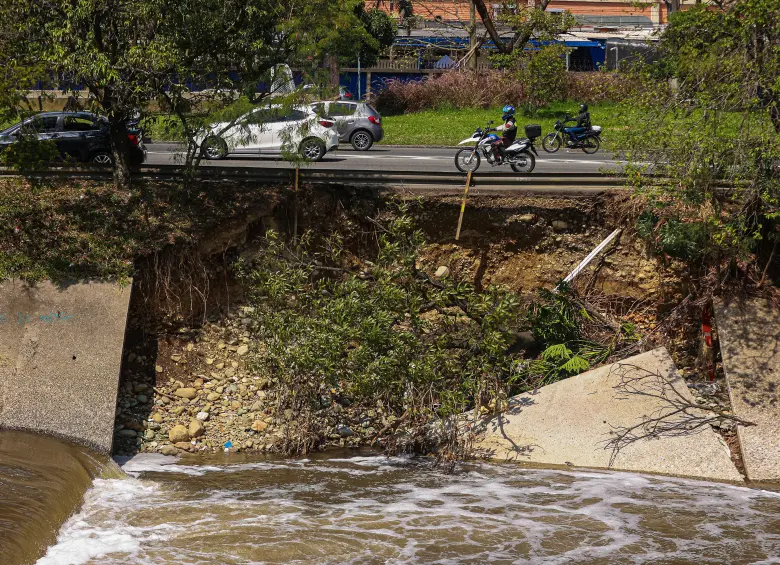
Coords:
196,375
385,281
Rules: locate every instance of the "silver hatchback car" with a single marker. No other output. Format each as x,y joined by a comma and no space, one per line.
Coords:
358,123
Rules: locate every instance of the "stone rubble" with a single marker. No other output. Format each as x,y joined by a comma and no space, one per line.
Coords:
202,390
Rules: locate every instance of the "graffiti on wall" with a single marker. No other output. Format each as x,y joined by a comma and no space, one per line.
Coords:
24,318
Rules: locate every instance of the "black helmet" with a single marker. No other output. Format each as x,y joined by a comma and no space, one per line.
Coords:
583,107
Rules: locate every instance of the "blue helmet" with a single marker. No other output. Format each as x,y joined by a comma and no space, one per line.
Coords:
508,111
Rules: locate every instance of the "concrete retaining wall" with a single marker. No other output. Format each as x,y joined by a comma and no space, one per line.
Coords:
60,357
570,422
749,334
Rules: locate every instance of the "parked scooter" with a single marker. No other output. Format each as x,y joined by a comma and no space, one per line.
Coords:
519,155
589,141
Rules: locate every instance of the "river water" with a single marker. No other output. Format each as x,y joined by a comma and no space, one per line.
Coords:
366,509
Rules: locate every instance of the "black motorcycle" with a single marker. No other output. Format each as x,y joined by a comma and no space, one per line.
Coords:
589,140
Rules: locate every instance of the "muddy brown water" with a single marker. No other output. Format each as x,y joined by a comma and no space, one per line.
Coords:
42,482
357,508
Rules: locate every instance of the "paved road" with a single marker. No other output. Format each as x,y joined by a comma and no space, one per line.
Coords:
383,158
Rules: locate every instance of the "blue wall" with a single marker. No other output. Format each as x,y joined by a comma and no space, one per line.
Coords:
378,80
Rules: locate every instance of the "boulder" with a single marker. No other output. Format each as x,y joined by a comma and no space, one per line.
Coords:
189,393
168,450
259,426
178,434
197,428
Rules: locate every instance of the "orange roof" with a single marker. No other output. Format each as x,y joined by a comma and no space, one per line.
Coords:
458,10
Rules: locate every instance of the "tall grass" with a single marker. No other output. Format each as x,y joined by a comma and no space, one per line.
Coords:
461,89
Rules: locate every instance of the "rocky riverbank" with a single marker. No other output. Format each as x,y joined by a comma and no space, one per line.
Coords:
201,394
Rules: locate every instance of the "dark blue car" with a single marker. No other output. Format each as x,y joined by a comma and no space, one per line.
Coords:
78,136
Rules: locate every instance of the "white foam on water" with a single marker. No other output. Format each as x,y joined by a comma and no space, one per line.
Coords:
372,510
98,529
80,543
156,463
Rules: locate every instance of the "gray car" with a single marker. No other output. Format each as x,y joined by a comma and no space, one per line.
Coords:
358,123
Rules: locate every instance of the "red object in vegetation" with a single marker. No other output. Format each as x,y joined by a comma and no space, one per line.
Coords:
706,328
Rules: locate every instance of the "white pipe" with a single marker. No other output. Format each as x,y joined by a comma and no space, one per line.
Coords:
584,263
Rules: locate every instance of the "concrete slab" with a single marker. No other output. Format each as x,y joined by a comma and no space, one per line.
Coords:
60,357
569,423
749,333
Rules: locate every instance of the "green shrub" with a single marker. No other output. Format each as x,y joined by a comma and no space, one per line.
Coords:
386,336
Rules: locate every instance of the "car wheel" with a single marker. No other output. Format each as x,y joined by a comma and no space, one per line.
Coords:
102,158
362,140
214,148
312,149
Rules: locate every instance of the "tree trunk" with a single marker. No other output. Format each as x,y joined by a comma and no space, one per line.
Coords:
522,38
333,65
487,21
473,49
120,150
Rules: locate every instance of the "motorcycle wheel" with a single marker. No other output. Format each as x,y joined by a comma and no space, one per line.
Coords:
467,160
551,142
590,145
527,166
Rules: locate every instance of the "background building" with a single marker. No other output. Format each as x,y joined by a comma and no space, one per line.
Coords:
436,38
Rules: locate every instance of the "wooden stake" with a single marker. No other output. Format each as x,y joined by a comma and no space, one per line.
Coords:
295,221
771,256
463,205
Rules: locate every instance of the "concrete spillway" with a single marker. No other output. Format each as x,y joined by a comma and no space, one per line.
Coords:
570,422
60,357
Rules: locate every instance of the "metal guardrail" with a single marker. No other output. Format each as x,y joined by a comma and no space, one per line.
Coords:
454,180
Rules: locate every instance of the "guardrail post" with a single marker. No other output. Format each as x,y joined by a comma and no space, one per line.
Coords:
295,204
463,205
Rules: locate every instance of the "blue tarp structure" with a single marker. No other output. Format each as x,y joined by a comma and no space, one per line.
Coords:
445,62
463,42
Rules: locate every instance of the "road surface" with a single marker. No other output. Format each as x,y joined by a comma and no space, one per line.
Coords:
401,159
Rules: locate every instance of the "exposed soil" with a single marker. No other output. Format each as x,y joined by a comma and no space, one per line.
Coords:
523,243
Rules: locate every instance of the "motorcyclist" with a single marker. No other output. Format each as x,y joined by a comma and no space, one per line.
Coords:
582,125
509,128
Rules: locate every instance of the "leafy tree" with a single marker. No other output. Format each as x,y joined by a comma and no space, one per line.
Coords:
381,29
128,53
708,116
527,20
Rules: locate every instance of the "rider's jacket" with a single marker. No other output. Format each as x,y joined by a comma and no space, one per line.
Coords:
583,120
510,131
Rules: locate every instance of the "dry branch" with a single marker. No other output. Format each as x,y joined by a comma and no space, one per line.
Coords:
676,415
